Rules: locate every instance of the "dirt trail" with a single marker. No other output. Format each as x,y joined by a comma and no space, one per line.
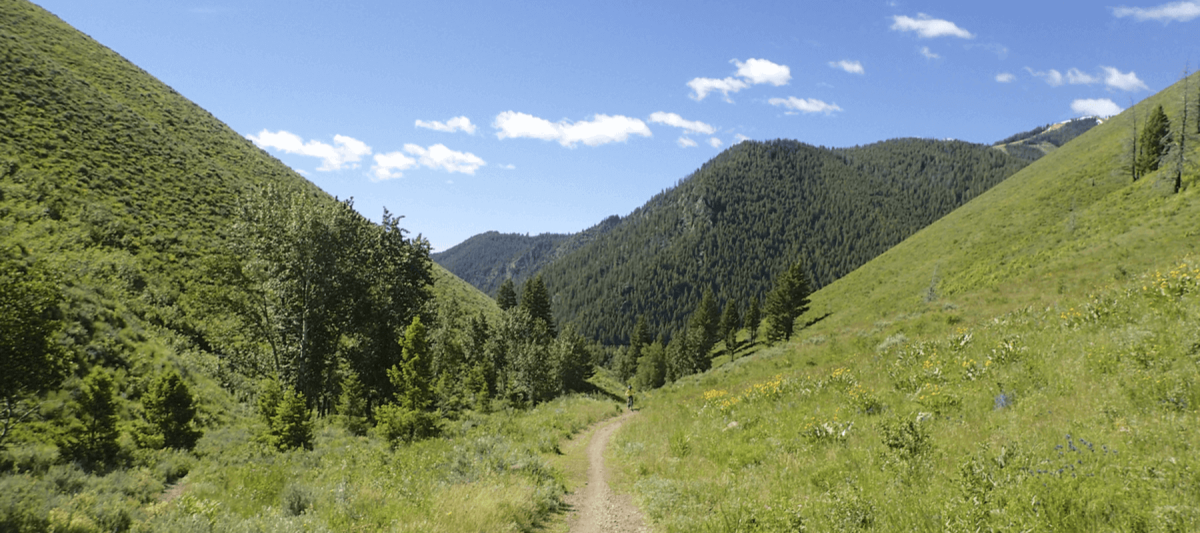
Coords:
598,508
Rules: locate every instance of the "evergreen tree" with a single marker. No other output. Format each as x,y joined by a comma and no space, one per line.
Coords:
352,403
788,301
1154,141
573,360
292,427
411,376
536,300
92,436
698,339
627,361
506,296
730,323
752,319
31,361
677,361
171,408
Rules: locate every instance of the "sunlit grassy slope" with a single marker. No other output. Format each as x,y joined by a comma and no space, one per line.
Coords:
1049,383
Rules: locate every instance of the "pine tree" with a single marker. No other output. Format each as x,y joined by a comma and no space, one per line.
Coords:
536,300
788,301
652,367
292,426
1154,141
352,403
752,319
730,323
627,361
411,376
171,408
506,296
702,333
92,437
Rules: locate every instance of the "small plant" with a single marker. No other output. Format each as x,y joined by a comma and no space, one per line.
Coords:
906,436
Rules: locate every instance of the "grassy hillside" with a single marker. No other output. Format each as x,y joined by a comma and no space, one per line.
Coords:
1028,362
1033,144
753,210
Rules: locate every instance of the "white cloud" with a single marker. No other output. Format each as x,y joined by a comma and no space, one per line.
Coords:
925,51
1101,107
714,142
391,165
1078,77
1005,77
1177,11
449,126
757,71
928,28
1125,82
702,86
739,138
345,151
853,67
672,119
751,72
602,129
438,157
685,142
804,105
1052,77
509,166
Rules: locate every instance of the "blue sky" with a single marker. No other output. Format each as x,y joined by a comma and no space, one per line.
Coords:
534,117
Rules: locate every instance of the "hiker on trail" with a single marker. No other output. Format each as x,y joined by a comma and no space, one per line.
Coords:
629,396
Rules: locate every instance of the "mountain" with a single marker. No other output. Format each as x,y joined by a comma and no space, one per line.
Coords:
740,219
1033,144
487,259
1016,365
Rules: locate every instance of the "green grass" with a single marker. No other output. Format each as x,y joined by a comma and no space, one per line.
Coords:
1066,304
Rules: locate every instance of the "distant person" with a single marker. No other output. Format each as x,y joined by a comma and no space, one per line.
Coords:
629,396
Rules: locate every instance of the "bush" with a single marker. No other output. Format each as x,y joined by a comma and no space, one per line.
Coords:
397,424
171,407
296,499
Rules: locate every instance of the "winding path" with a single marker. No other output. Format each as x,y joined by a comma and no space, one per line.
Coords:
599,509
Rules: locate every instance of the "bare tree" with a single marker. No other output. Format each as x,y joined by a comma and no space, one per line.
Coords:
1177,154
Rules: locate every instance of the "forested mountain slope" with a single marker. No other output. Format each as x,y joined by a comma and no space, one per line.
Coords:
744,216
487,259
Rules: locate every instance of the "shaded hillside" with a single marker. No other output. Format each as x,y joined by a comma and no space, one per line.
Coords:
748,213
1033,144
487,259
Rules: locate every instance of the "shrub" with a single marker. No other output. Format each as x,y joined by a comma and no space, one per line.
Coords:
397,424
906,436
171,407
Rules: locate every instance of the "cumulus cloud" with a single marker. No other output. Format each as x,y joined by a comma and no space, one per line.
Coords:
702,86
1052,77
925,51
1175,11
804,105
691,126
750,72
601,129
449,126
1005,77
758,71
853,67
685,142
391,165
928,28
1078,77
739,138
1125,82
1101,107
345,151
714,142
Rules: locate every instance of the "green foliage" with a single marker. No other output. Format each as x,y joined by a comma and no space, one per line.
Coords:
573,359
536,301
1153,141
292,426
412,377
752,319
397,424
731,322
92,435
786,302
506,295
628,360
652,367
1033,144
31,359
352,404
171,408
